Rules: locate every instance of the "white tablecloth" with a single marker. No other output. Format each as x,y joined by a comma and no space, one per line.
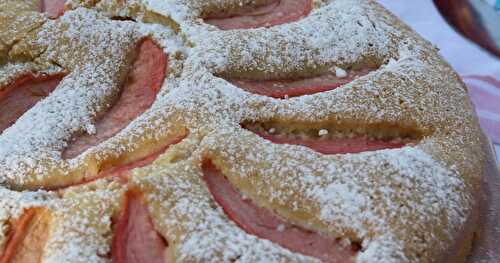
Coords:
466,57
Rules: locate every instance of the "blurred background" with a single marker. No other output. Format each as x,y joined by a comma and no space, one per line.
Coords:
479,67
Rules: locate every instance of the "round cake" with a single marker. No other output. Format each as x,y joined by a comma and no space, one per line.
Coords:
232,131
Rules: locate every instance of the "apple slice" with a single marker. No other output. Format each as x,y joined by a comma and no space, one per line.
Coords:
22,94
138,94
135,239
27,237
336,145
272,13
53,8
330,145
288,88
265,224
120,171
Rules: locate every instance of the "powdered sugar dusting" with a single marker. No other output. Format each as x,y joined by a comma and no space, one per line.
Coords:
12,205
87,210
195,228
361,196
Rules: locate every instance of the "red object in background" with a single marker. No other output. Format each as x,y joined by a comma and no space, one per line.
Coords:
472,20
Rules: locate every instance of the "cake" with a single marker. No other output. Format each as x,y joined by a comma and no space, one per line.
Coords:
232,131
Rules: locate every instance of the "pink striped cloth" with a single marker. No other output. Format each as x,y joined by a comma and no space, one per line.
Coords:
485,94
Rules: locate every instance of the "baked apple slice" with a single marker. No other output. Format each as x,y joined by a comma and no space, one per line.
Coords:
53,8
135,239
27,237
271,13
22,94
265,224
335,140
288,88
138,94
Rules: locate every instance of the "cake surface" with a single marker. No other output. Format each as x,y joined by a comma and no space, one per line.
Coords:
231,131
